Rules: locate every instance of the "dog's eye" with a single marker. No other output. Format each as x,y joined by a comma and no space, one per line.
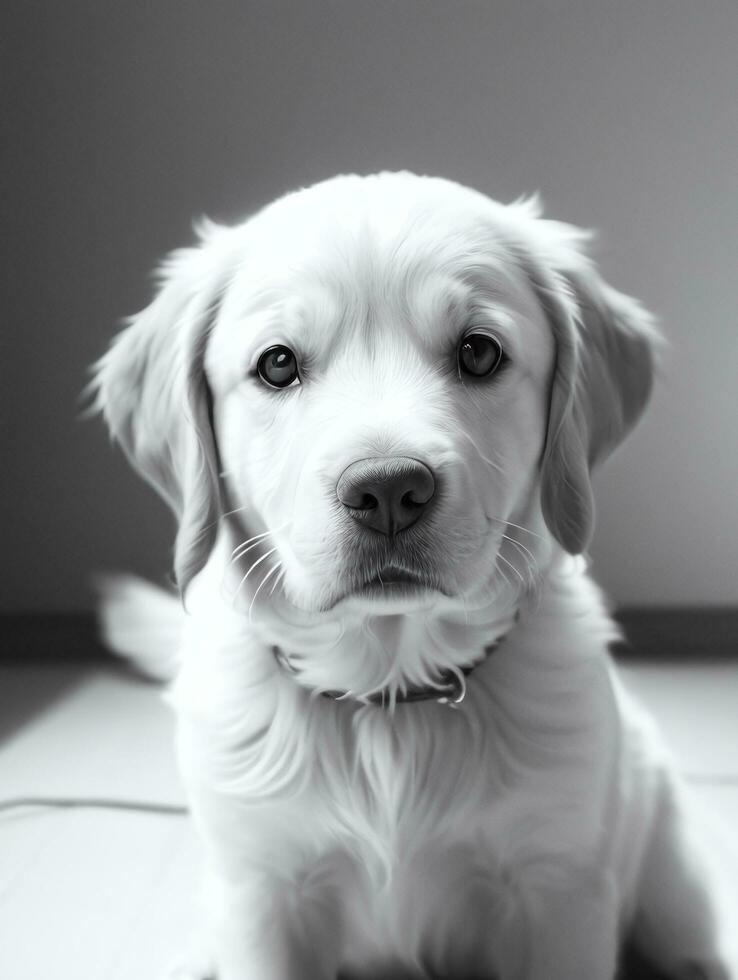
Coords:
479,355
277,367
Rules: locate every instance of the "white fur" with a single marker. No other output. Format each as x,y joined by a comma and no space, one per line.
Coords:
523,834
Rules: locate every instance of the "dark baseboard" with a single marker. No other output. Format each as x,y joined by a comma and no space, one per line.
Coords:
700,633
658,634
48,638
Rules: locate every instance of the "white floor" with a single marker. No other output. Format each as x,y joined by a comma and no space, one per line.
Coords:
96,895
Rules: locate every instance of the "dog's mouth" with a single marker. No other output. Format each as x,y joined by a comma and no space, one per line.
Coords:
391,577
392,583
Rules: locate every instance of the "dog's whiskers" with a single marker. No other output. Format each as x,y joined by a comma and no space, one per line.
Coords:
278,580
500,571
515,569
244,549
521,547
501,520
530,561
255,565
255,537
207,527
275,568
253,541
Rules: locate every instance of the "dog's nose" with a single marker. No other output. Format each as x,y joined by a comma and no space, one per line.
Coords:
386,493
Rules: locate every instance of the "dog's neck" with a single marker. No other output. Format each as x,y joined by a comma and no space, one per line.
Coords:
447,687
360,650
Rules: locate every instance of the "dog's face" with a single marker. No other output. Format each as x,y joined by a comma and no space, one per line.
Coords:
382,378
380,385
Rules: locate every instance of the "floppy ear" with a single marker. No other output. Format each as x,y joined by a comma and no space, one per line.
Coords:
605,348
152,391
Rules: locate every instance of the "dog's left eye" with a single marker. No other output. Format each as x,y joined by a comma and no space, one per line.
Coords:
479,355
277,367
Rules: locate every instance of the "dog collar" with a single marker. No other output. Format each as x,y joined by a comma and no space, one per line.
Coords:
449,689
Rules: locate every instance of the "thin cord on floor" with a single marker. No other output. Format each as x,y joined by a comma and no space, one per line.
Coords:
92,803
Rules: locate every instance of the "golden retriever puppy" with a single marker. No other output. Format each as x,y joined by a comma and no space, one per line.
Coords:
374,409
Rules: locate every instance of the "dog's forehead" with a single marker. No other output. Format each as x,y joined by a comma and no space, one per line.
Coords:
392,201
386,222
360,253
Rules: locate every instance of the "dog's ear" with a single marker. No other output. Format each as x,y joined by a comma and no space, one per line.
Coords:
152,391
605,353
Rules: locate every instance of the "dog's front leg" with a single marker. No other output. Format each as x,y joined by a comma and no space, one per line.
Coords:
263,930
569,927
687,917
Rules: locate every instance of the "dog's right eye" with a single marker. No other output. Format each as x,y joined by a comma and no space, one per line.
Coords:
277,367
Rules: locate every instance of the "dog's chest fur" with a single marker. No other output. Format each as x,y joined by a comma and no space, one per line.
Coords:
415,823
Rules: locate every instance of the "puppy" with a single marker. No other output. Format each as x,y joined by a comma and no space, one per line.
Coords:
374,408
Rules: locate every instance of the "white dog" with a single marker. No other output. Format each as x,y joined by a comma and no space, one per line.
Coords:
374,408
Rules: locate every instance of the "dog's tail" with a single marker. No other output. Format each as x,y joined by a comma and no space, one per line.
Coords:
142,623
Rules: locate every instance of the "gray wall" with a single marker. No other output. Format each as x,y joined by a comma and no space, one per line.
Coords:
128,119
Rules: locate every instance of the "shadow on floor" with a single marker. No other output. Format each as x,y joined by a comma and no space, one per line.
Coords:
43,657
28,692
